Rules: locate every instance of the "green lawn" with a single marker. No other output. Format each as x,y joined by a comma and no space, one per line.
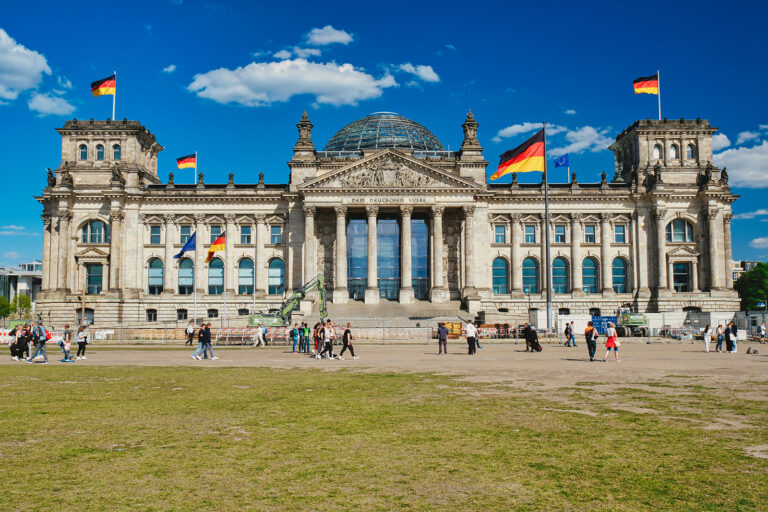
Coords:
79,438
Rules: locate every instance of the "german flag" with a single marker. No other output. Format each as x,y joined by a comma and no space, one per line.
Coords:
187,161
527,157
104,86
217,245
646,85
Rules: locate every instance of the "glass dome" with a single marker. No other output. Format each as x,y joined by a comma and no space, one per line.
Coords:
383,130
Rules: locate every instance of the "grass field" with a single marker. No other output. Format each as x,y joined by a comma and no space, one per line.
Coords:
137,438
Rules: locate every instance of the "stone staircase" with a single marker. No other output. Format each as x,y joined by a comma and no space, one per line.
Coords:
393,314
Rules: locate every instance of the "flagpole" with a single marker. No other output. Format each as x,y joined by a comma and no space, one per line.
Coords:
226,259
568,169
658,84
194,281
195,167
114,96
546,231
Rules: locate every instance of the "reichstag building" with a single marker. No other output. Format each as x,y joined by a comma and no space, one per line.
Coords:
386,214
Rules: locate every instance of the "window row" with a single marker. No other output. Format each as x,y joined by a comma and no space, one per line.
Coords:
183,314
116,152
185,231
590,234
245,277
590,277
674,152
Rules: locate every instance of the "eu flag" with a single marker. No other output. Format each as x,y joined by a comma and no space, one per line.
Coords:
562,161
189,246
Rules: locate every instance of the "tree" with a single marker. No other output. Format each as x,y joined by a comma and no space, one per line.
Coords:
21,305
5,307
753,287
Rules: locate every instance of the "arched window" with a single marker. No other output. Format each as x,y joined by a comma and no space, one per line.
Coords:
100,152
186,277
674,152
594,311
560,276
216,277
530,276
679,230
95,232
116,152
619,268
589,275
245,277
155,277
690,152
500,276
658,152
276,277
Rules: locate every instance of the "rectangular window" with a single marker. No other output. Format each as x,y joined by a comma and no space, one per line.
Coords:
151,315
501,235
681,277
620,236
245,234
213,313
589,234
215,232
93,278
154,234
276,235
186,232
559,233
530,233
181,314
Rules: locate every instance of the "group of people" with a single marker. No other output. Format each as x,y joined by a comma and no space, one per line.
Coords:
204,345
29,343
729,335
324,336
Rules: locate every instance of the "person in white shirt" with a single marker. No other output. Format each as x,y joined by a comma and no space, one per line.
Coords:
707,337
762,333
190,333
471,337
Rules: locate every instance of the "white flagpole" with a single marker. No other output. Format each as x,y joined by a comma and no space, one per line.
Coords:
194,281
195,167
224,278
114,96
658,82
568,169
546,231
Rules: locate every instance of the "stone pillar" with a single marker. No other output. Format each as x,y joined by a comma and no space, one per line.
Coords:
728,251
169,270
259,265
715,253
63,256
661,249
469,256
372,288
516,267
200,255
309,243
46,252
605,253
406,272
695,276
439,292
340,291
230,231
115,243
576,262
640,241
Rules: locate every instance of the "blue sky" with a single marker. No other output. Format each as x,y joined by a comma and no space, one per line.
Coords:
511,63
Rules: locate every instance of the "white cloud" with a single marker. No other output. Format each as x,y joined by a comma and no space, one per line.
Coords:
759,243
763,126
20,68
45,104
64,82
746,137
425,73
586,138
450,46
11,255
751,215
13,226
328,35
17,232
570,112
169,69
260,53
262,83
517,129
306,52
720,141
283,54
747,167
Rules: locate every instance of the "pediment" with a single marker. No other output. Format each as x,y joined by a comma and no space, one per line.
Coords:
91,253
388,170
683,251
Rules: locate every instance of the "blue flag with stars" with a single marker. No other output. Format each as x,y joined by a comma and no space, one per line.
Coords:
189,246
562,161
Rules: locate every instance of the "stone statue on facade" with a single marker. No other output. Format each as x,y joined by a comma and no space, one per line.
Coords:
470,132
51,178
66,178
724,176
117,176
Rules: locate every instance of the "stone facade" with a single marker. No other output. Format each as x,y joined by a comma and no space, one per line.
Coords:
656,237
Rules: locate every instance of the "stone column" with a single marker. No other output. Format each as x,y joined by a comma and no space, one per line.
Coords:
115,243
230,231
372,288
661,249
259,265
340,291
641,249
406,272
63,256
309,243
469,256
715,253
728,252
168,269
200,255
605,253
695,276
576,238
46,252
516,267
439,292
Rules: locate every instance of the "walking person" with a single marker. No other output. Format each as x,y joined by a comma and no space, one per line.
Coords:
200,342
734,337
471,337
761,333
567,334
612,342
325,332
82,342
207,343
572,335
39,337
259,336
442,339
719,333
301,337
295,336
527,335
707,337
590,334
307,337
190,334
346,339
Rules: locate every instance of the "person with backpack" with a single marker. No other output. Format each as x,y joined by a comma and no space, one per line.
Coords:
39,337
570,335
591,337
